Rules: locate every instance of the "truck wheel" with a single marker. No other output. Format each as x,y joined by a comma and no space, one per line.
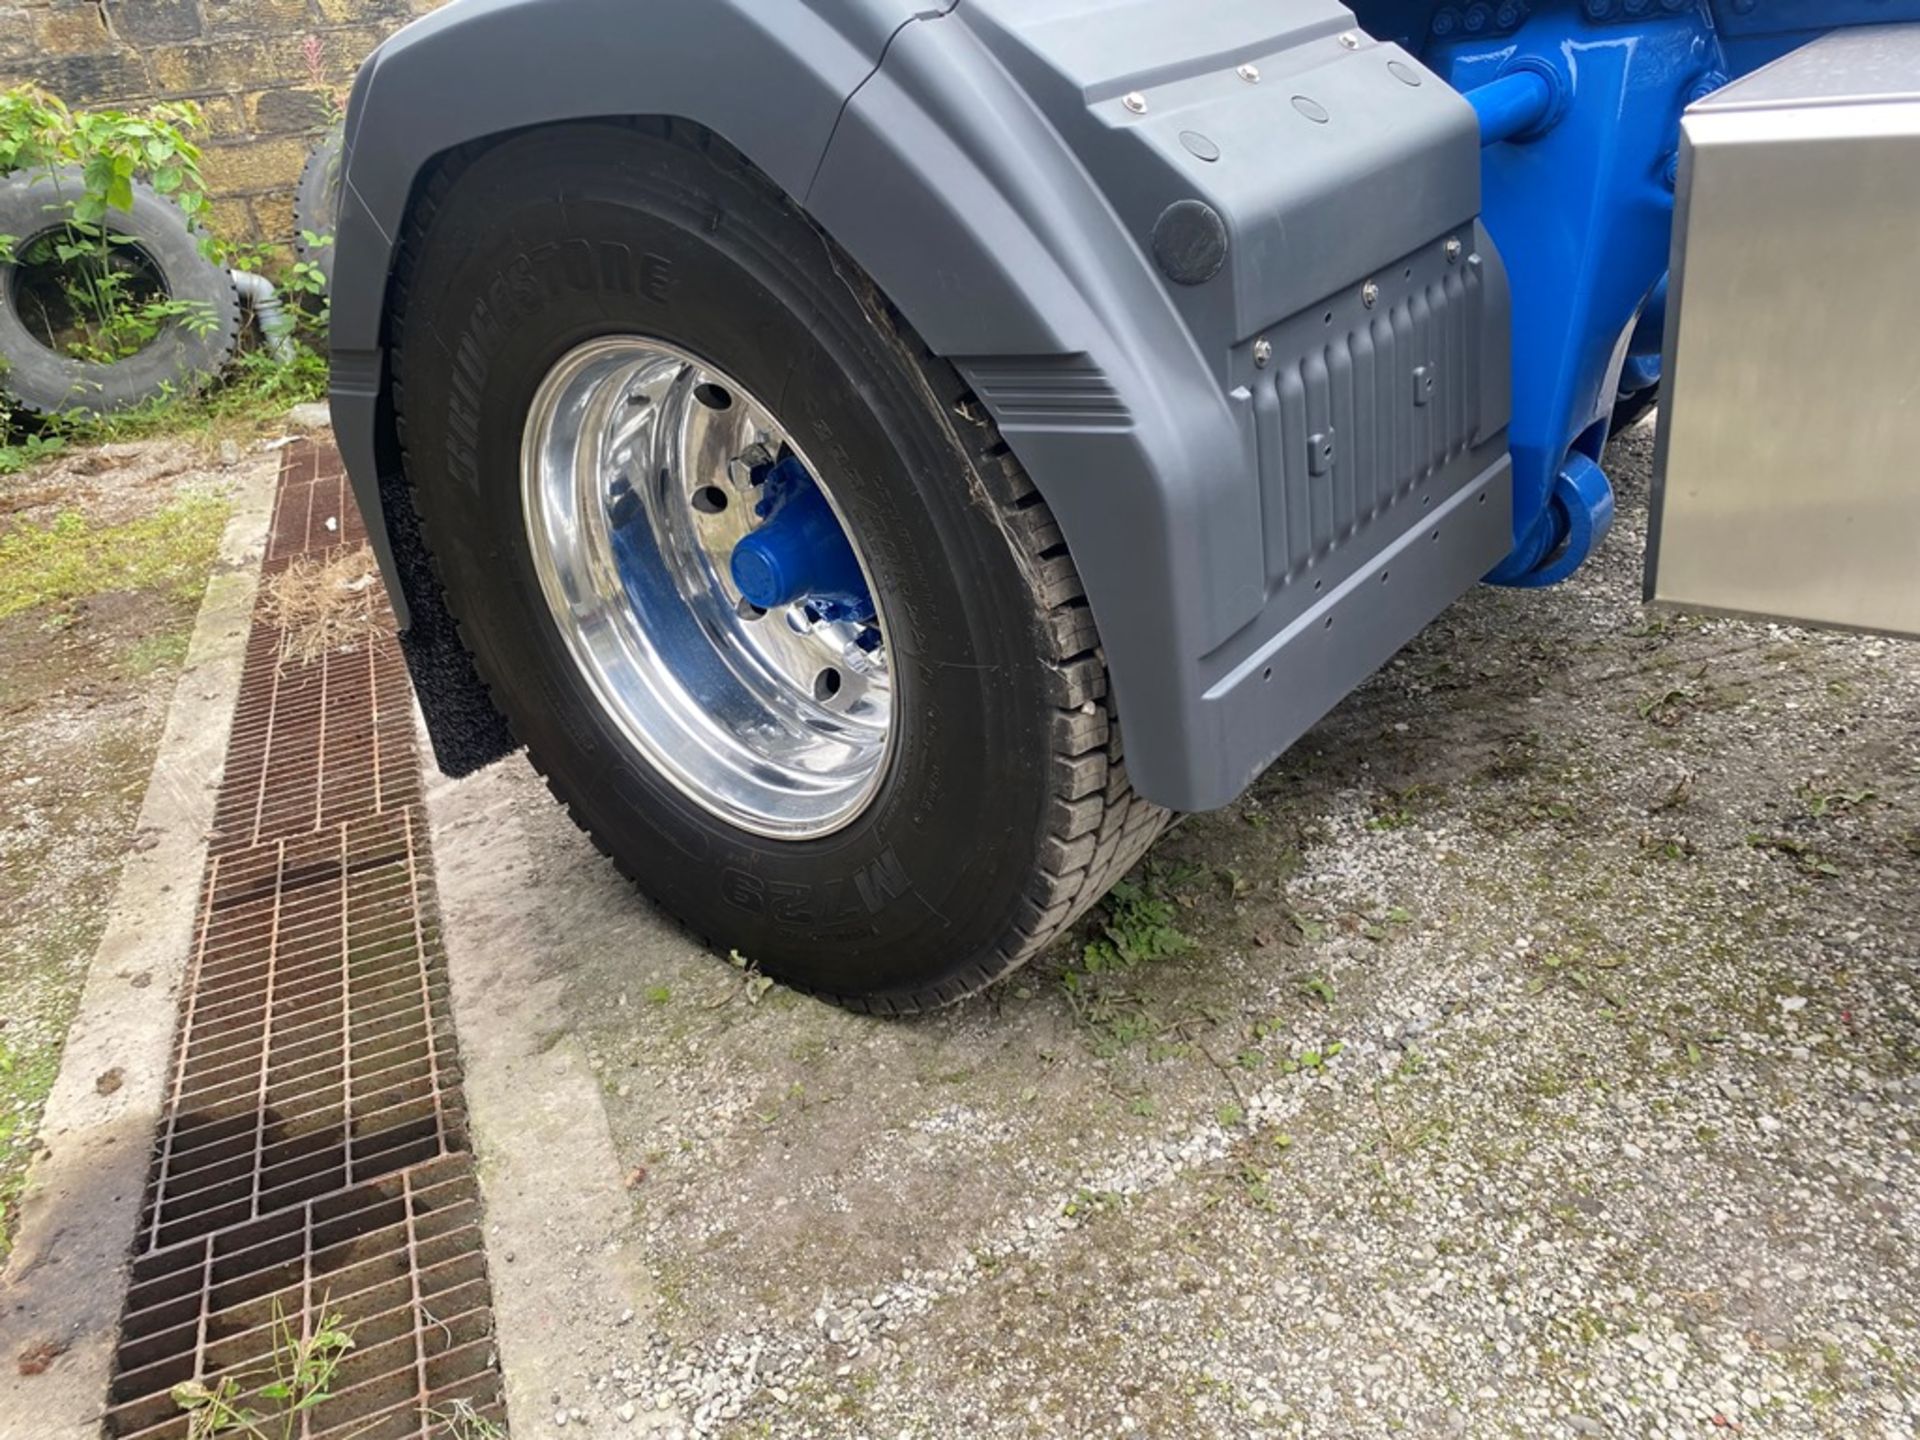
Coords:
630,379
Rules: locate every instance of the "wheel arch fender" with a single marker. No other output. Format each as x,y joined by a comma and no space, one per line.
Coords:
768,76
924,157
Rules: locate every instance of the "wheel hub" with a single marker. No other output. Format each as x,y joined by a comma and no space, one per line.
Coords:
799,555
705,584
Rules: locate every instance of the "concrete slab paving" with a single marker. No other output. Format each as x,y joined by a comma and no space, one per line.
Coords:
1534,1051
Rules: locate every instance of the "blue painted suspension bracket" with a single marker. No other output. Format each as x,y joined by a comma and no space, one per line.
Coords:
1579,103
1580,120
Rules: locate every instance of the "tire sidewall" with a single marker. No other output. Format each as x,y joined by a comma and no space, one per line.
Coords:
650,237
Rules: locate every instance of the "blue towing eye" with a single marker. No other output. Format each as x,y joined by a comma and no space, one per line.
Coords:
799,553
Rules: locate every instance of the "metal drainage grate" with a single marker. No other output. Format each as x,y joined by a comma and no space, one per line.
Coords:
313,1151
319,743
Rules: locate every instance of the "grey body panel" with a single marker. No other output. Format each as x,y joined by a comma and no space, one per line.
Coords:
1255,537
1784,479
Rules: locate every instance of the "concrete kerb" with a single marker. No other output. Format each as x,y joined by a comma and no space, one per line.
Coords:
569,1288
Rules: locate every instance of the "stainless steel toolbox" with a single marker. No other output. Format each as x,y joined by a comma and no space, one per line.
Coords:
1788,474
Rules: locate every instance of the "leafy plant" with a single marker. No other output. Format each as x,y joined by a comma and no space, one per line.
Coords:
301,1378
1821,803
111,149
1137,927
93,295
26,451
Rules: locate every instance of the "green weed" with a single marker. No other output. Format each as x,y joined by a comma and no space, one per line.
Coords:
303,1370
1137,927
71,558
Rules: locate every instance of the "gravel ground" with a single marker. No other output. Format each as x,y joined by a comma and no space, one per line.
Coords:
1534,1051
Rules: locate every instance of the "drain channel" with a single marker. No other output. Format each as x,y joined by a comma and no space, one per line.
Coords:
313,1154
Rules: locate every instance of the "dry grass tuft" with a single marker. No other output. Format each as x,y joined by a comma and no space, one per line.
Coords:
325,606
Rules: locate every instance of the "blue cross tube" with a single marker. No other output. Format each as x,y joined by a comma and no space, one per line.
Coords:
1512,105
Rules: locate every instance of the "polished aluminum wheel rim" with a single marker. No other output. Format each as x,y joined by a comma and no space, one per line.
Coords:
637,470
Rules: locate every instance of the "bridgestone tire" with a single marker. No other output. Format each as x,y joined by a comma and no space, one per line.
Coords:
1004,810
181,358
316,203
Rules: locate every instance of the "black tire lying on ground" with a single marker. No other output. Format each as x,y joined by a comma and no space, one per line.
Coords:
316,203
189,348
1003,810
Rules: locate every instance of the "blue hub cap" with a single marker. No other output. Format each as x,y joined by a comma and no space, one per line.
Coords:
799,554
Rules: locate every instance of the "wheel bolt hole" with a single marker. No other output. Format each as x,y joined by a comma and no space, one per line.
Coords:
714,397
709,499
747,610
826,684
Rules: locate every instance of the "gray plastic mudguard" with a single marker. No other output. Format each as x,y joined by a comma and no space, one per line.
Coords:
1270,479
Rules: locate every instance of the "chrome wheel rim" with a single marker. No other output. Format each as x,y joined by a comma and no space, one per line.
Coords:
638,467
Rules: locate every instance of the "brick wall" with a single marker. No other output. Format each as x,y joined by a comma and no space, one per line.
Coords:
268,73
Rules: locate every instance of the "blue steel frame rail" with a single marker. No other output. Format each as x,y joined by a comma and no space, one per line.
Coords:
1579,104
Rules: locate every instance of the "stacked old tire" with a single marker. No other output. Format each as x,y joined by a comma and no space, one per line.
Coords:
40,378
316,203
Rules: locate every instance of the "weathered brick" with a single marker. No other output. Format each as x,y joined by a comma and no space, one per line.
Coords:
224,118
17,40
71,30
148,22
266,73
250,167
114,76
231,216
347,12
218,17
273,217
236,64
339,54
290,111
